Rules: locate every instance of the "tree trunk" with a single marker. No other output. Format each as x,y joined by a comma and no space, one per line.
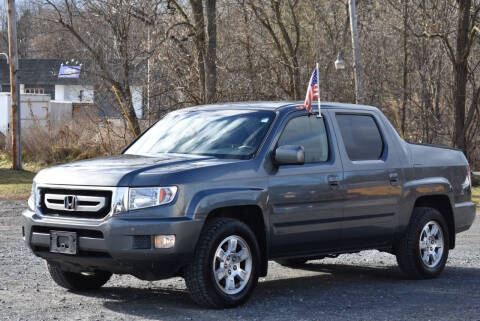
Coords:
292,49
127,93
128,102
296,79
197,8
211,53
251,72
403,125
460,69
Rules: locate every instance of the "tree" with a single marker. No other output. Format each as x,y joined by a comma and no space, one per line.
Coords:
272,17
459,57
421,58
205,43
110,31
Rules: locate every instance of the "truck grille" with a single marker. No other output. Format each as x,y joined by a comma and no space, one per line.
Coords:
90,204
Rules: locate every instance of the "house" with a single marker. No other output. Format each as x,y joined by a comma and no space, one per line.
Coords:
64,81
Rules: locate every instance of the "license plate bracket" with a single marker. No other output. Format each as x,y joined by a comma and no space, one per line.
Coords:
63,242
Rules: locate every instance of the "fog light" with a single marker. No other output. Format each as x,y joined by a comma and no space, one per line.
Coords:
164,241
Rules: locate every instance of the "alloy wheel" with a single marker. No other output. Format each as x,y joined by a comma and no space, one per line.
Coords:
232,264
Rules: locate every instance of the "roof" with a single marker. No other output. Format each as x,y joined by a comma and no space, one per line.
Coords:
39,72
277,105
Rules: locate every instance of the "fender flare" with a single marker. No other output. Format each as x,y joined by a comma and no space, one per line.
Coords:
205,202
415,189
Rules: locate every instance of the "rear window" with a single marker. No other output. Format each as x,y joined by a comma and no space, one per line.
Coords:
361,137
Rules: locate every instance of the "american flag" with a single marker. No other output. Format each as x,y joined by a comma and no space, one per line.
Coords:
313,91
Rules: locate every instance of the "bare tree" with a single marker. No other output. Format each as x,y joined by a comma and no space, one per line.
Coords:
211,52
205,39
459,57
421,59
107,30
271,15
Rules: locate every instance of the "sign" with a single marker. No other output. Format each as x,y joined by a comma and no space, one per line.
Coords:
69,72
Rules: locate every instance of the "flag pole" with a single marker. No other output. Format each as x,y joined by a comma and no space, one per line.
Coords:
318,79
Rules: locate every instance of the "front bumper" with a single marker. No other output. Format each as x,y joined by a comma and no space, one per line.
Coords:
112,245
464,216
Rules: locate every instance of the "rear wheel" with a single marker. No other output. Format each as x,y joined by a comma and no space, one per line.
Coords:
77,281
423,251
224,270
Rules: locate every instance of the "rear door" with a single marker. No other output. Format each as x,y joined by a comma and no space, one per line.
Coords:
306,200
372,184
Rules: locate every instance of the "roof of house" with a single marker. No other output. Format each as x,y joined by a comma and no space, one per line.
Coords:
39,72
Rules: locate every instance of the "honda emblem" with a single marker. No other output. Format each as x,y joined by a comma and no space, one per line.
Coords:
70,202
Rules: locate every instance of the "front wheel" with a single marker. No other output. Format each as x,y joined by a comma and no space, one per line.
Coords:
224,270
423,251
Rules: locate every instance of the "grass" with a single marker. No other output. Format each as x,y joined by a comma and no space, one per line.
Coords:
15,185
476,195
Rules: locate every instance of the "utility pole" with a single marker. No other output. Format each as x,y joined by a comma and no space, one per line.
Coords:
14,91
357,65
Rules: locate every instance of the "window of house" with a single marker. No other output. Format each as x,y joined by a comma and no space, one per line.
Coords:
40,89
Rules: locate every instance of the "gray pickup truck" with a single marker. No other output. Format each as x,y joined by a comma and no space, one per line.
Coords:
211,193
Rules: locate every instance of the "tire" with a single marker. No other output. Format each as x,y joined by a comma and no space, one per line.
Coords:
292,263
213,251
414,251
77,281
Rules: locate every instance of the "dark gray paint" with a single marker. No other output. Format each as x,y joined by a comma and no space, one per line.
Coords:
312,209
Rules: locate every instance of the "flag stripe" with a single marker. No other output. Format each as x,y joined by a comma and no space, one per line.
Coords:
312,91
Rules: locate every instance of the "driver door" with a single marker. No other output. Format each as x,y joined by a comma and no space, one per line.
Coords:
306,201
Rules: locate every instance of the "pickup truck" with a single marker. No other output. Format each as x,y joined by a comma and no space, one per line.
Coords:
212,193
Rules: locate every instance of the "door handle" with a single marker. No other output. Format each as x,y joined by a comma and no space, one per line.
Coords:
393,178
333,180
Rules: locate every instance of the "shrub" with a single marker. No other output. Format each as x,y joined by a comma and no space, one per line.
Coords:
79,139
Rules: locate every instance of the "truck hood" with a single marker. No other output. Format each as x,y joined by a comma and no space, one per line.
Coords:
124,170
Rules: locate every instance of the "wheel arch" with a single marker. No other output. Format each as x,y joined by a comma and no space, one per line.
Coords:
441,203
252,216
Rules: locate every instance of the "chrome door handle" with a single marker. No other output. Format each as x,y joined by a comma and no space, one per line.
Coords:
393,178
333,180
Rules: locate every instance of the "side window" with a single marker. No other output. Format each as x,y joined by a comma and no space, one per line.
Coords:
310,133
361,137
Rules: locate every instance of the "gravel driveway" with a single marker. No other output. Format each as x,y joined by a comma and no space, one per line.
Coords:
364,286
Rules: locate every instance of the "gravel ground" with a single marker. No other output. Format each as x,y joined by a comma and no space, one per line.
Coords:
364,286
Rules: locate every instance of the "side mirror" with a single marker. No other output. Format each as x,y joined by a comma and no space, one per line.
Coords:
289,155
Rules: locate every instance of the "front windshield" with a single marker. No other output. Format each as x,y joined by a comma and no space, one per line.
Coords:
218,133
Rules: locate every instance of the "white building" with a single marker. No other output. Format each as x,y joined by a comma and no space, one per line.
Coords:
64,81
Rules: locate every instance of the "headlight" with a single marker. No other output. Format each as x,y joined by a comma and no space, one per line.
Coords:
33,199
120,200
142,197
126,199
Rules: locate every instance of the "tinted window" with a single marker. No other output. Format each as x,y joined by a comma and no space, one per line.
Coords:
310,133
361,137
